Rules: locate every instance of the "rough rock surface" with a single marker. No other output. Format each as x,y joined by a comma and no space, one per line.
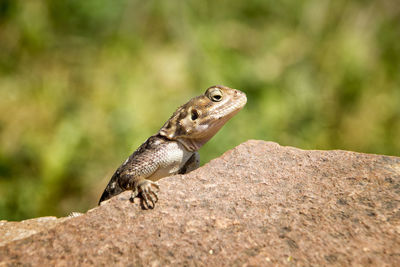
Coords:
258,204
10,231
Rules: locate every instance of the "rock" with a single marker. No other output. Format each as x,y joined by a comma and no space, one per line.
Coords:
258,204
10,231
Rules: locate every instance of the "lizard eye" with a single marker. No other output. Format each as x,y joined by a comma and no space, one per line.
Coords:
194,115
215,95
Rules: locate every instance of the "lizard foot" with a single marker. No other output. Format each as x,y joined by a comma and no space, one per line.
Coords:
149,196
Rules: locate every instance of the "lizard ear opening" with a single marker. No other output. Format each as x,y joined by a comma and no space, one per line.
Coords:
194,115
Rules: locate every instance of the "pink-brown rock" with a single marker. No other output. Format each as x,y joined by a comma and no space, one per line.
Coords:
259,204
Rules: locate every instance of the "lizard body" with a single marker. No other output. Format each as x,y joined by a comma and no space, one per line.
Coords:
173,150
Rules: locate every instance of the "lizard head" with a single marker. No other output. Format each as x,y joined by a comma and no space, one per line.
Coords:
194,123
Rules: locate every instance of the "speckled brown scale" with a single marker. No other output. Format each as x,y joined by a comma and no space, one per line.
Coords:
174,148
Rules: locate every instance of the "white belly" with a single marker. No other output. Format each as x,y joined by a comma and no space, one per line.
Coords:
172,160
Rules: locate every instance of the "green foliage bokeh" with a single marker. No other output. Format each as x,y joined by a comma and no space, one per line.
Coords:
84,83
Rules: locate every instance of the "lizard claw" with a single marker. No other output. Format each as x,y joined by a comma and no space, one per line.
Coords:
149,195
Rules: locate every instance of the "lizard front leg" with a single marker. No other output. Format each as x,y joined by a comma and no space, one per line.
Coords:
191,164
148,191
146,188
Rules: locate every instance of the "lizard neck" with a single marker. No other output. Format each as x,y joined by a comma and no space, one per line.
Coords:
192,145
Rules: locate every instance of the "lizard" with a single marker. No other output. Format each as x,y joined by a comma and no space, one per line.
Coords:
173,149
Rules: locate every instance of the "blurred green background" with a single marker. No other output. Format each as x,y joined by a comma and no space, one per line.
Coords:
84,83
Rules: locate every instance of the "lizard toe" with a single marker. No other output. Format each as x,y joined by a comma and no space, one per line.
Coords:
155,185
154,196
134,194
148,193
147,200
